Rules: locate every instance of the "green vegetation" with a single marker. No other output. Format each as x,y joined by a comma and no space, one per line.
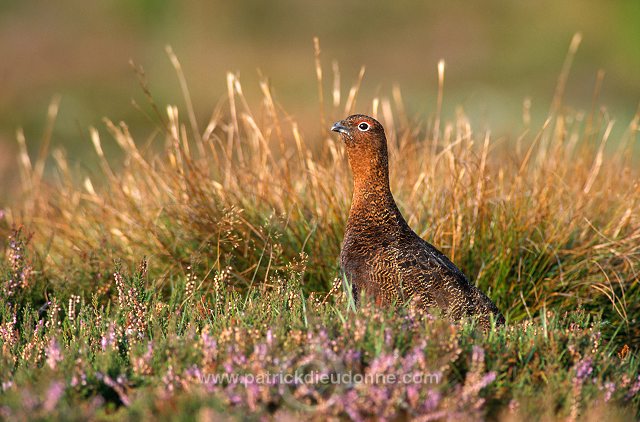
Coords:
218,255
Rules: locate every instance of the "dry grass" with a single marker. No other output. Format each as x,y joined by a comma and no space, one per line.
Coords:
549,220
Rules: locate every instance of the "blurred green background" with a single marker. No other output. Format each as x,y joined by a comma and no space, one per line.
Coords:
497,52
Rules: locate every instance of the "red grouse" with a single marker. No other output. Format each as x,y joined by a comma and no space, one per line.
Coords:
381,254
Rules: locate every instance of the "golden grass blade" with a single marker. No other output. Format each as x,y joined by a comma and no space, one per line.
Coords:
52,114
564,73
26,169
597,164
336,84
318,63
95,139
185,92
353,93
436,124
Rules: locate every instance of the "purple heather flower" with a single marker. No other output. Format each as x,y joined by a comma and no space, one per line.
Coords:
75,380
323,335
350,403
237,357
379,393
260,351
55,391
253,394
634,389
474,385
487,379
352,356
513,405
117,386
413,395
29,401
109,339
54,355
413,357
388,337
234,398
584,369
194,372
610,388
169,380
432,401
477,354
382,363
209,343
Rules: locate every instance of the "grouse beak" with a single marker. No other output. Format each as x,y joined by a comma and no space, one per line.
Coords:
339,127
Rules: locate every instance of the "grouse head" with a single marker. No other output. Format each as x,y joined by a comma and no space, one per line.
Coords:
366,148
360,130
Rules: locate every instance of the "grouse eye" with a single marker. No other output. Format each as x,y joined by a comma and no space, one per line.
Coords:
364,126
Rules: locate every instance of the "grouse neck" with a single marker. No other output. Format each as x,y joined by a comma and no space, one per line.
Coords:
370,168
365,188
371,186
373,205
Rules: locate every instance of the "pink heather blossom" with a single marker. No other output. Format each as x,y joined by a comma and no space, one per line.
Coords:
109,339
388,337
584,369
148,355
194,373
610,388
477,354
54,355
78,380
413,395
487,379
634,389
209,348
55,391
432,401
117,386
382,363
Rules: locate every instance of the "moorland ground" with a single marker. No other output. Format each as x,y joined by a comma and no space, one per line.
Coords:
211,248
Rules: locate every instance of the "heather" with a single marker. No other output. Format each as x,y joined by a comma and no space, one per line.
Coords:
211,248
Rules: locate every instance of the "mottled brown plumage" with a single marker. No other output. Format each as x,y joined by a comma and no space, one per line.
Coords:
381,254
